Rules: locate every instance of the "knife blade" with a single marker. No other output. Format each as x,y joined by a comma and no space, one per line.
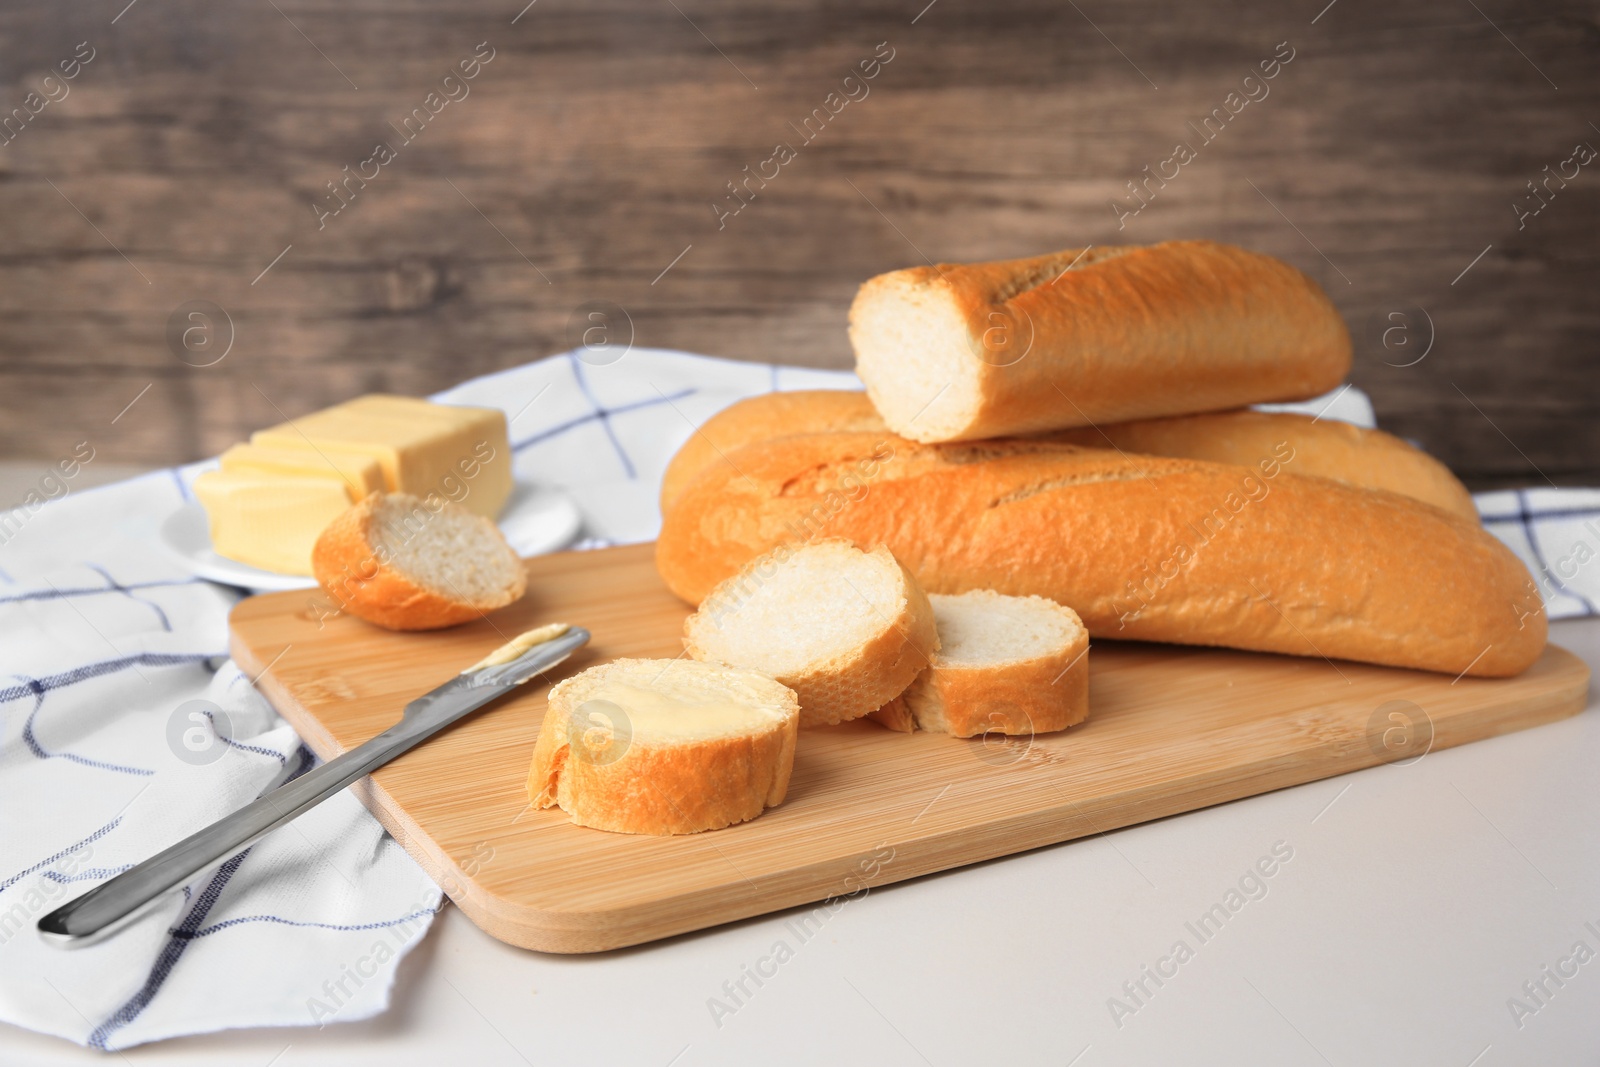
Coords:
107,905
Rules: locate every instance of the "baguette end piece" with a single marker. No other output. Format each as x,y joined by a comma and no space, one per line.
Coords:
398,563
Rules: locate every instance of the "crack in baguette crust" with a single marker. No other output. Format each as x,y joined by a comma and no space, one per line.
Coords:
1361,574
1051,267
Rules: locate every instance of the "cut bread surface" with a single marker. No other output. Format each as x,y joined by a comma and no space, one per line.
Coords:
451,552
846,629
822,602
405,564
985,628
664,746
916,354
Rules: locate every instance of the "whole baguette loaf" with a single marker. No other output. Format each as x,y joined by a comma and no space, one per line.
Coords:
1085,336
1368,459
1141,547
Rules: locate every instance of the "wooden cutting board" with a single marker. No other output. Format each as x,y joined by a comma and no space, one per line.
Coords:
1171,729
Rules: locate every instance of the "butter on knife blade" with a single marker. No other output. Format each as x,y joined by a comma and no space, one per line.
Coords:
519,645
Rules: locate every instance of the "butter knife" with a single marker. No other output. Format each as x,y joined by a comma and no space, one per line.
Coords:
104,907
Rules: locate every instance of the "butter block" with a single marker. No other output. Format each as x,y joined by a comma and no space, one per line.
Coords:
270,520
461,453
360,472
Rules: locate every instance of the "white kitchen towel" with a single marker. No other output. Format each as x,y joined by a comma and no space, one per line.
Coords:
1556,532
113,666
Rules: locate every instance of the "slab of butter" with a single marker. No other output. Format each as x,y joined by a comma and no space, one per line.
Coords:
461,453
361,473
270,520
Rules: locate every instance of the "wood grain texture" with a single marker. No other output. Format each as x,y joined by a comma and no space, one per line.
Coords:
1170,730
590,151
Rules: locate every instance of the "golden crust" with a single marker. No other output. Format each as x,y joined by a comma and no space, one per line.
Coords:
351,570
653,788
1120,333
896,716
849,686
1323,448
1141,547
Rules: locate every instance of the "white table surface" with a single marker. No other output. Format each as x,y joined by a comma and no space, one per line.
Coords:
1418,900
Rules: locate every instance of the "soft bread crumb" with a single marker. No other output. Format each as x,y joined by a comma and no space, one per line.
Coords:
403,563
917,356
452,551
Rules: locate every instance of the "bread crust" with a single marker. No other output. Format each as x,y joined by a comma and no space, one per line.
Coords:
859,682
1082,337
1324,448
896,715
759,418
659,789
359,578
1141,547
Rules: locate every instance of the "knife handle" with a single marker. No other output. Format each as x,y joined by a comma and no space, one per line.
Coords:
128,892
109,903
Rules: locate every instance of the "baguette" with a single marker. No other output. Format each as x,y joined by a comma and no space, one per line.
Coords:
1008,665
403,563
1365,458
640,746
1141,547
847,630
1088,336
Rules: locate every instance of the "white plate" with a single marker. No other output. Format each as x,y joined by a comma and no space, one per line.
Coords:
534,521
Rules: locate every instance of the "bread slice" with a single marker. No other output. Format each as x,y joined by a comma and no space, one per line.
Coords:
958,352
845,629
1014,665
1299,444
660,746
409,564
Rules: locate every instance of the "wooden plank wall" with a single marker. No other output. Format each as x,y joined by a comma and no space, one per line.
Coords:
1386,156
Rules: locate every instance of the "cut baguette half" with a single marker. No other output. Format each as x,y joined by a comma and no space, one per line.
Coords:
641,746
959,352
1014,665
405,563
847,630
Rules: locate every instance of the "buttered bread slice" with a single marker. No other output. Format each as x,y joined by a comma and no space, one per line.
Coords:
641,746
845,629
1014,665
